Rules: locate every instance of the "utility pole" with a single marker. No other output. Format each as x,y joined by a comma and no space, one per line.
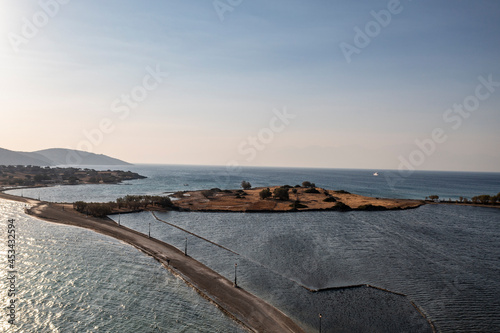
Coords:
235,277
320,323
149,232
186,247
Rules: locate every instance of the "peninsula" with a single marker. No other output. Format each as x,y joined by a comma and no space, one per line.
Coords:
20,175
285,199
247,309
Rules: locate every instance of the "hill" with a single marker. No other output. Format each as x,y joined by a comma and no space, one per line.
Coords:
61,156
56,156
9,157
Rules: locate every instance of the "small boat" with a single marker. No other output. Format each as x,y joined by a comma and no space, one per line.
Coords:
186,184
375,174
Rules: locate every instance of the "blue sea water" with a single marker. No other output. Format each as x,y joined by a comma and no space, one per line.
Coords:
445,258
74,280
171,178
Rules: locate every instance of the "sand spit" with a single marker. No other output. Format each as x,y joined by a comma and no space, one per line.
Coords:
251,311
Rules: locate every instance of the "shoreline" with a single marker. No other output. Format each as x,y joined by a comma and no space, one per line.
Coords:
252,312
400,204
297,199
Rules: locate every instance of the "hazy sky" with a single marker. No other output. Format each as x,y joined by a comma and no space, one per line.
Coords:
340,84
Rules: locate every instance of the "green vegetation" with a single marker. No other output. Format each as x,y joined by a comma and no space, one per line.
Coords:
484,199
330,199
246,185
265,193
371,207
131,202
308,184
434,197
22,175
281,193
342,192
94,208
240,194
341,207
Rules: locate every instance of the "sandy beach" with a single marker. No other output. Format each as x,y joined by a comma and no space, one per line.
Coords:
251,311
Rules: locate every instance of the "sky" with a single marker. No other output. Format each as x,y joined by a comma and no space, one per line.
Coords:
333,84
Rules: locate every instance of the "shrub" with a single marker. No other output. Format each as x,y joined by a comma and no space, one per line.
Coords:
80,206
434,197
371,207
93,209
265,193
311,190
246,185
330,199
342,192
341,207
483,199
281,193
98,209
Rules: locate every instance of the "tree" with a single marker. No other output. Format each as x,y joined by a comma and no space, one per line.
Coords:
265,193
434,197
306,184
80,206
281,193
246,185
484,199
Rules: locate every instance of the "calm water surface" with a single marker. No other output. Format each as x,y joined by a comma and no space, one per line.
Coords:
75,280
446,259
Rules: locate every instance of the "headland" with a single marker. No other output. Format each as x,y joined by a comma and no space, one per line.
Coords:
285,199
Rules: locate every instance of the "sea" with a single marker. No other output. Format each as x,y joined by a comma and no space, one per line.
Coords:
437,263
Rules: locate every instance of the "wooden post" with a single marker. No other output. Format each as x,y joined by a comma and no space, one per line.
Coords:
235,277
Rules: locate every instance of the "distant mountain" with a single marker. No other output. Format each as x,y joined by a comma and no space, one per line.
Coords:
61,156
56,156
9,157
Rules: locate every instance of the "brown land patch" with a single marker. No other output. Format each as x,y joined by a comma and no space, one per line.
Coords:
234,201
